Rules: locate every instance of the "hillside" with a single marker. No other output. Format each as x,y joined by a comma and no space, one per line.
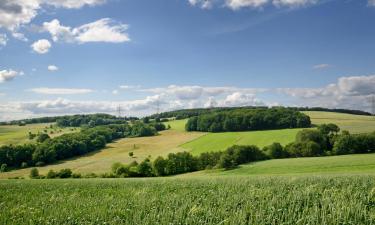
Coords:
177,139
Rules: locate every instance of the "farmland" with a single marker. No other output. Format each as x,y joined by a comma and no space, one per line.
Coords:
14,134
225,200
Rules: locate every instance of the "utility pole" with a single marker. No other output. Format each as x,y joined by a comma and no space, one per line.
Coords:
119,111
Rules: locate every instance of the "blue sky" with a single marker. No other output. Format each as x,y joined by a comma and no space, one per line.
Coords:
85,56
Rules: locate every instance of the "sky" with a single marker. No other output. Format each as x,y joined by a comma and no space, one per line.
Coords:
62,57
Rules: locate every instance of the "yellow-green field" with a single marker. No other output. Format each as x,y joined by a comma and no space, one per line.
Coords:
14,134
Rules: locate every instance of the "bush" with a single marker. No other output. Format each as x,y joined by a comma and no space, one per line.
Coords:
64,173
51,174
34,173
3,168
275,151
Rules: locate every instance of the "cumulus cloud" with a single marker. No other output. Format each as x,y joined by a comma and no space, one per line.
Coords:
348,92
242,99
204,4
128,87
52,68
60,91
294,3
103,30
15,13
41,46
3,39
237,4
7,75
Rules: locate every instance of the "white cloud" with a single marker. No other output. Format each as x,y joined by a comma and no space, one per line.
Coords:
115,92
73,4
321,66
103,30
128,87
60,91
371,2
241,99
195,92
41,46
255,4
15,13
52,68
3,39
294,3
19,36
237,4
7,75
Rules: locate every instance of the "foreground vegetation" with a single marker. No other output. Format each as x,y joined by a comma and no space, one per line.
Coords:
270,200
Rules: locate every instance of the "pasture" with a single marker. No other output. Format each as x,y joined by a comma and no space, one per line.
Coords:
14,134
224,200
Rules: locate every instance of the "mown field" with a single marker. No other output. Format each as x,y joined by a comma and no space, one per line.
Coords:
14,134
226,200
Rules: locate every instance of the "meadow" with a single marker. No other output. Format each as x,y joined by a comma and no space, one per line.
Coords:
14,134
224,200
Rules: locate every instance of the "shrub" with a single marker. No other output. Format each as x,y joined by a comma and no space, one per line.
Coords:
3,168
34,173
64,173
51,174
275,151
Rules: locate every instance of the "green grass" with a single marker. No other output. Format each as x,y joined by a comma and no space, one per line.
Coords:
221,141
226,200
178,125
352,123
346,164
14,134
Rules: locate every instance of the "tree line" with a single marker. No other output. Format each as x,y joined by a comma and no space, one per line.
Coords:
74,120
248,119
66,146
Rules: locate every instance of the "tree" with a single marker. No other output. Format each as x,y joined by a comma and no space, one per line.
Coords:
42,137
159,166
276,151
51,174
65,173
145,168
131,154
34,173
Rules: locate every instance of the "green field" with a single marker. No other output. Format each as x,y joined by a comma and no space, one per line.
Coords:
221,141
14,134
331,165
228,200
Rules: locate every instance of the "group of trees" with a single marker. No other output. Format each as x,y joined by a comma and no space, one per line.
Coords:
62,174
91,120
326,140
185,162
68,145
248,119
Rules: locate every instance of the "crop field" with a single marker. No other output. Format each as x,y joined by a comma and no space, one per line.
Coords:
224,200
14,134
329,165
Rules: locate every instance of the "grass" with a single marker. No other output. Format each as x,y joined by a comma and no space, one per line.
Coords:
352,123
221,141
346,164
225,200
178,125
14,134
101,161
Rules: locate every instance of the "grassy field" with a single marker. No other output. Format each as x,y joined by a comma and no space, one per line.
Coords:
221,141
224,200
352,123
14,134
333,165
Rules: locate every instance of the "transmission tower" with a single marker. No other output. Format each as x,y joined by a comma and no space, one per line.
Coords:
373,105
157,107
